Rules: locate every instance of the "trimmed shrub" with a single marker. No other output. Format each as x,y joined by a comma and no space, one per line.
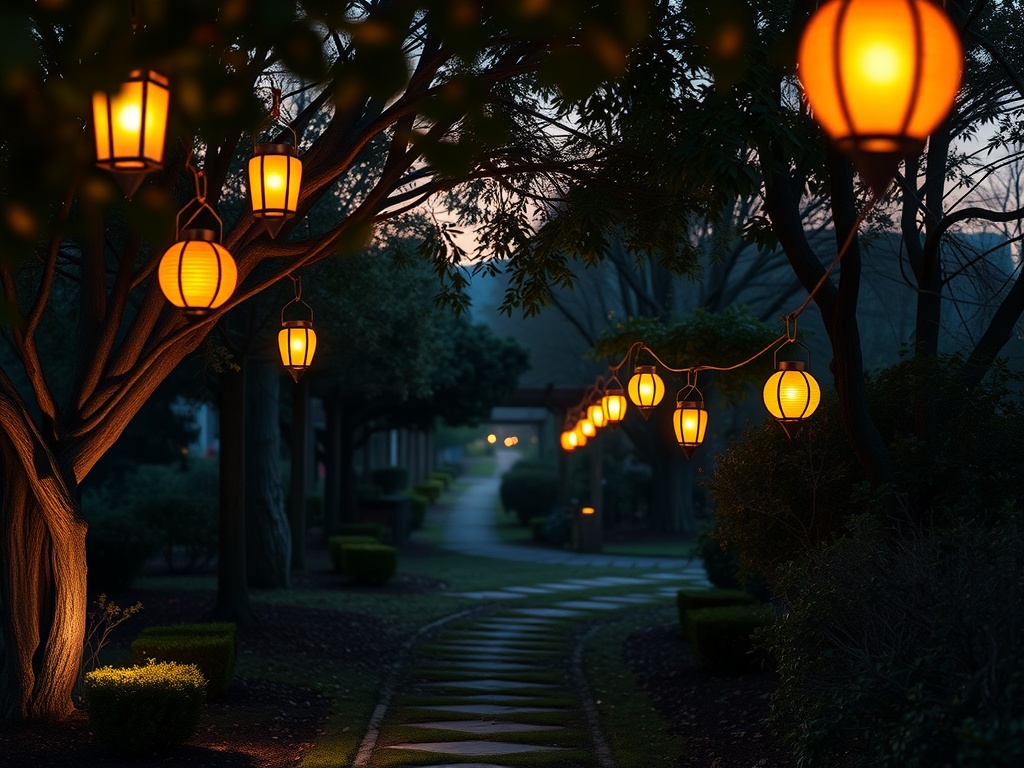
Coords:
452,469
145,709
369,563
226,629
696,599
537,526
375,530
391,480
529,491
214,654
335,544
419,505
445,478
432,489
720,638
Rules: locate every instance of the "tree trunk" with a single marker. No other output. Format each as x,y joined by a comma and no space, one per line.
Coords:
299,472
42,596
347,501
232,591
268,538
332,464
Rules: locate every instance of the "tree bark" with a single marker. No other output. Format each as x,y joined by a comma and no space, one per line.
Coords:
299,473
267,533
232,590
42,594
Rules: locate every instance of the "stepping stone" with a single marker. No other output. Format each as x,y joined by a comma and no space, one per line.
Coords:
662,576
563,586
487,595
587,583
463,650
485,726
510,635
590,605
620,580
529,590
494,666
489,698
490,684
551,613
487,709
633,599
474,748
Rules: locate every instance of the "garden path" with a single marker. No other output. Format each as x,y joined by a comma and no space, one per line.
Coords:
503,685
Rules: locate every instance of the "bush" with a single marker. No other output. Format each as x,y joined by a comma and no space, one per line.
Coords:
445,478
418,505
537,526
369,563
720,638
698,599
431,489
145,709
335,543
391,480
375,530
186,528
452,469
214,654
117,547
905,651
226,629
529,491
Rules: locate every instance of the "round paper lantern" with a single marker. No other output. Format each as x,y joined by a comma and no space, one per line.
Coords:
646,389
197,273
791,394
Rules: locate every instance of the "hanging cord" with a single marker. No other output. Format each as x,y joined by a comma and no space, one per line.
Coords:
297,289
199,180
790,320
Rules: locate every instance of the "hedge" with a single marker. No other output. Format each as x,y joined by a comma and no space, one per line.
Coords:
375,530
694,599
142,710
720,638
205,629
335,544
418,504
369,563
529,491
213,654
432,489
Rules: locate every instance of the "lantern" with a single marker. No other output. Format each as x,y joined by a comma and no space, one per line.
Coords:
581,437
690,421
197,273
646,389
568,440
275,175
130,128
596,415
791,395
296,341
880,76
613,405
587,427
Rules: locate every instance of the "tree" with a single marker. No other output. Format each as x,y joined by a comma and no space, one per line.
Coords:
463,101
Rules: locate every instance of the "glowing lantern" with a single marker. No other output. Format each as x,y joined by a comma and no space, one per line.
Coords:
275,176
587,427
568,440
880,76
646,389
492,439
791,395
613,404
690,421
130,128
197,273
588,510
596,415
296,340
581,437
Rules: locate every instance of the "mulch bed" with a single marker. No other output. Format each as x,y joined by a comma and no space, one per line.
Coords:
722,717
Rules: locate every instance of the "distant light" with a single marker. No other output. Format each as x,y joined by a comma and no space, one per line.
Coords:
492,439
587,510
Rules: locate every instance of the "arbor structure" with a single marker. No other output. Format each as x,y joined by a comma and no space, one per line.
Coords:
461,99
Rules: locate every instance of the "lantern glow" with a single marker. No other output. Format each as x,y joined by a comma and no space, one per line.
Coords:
613,404
197,273
587,427
568,440
596,415
275,177
880,75
646,389
296,342
690,422
791,394
130,127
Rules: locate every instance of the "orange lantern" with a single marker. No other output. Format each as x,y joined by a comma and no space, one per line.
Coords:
646,389
690,420
587,427
880,75
596,415
791,394
197,273
296,341
130,128
275,176
568,440
613,404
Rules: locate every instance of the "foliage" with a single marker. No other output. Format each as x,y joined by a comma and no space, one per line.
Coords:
697,599
103,619
335,544
390,480
369,563
142,710
213,653
719,563
905,651
431,489
376,530
419,505
720,638
529,491
226,629
445,478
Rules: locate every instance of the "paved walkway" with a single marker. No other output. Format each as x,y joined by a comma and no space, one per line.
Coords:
494,686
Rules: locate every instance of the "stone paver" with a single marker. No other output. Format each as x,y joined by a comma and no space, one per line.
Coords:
490,684
474,748
590,605
486,709
485,726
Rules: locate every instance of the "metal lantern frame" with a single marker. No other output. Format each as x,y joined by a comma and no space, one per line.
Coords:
791,424
614,402
147,140
690,405
637,380
283,204
301,328
173,284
